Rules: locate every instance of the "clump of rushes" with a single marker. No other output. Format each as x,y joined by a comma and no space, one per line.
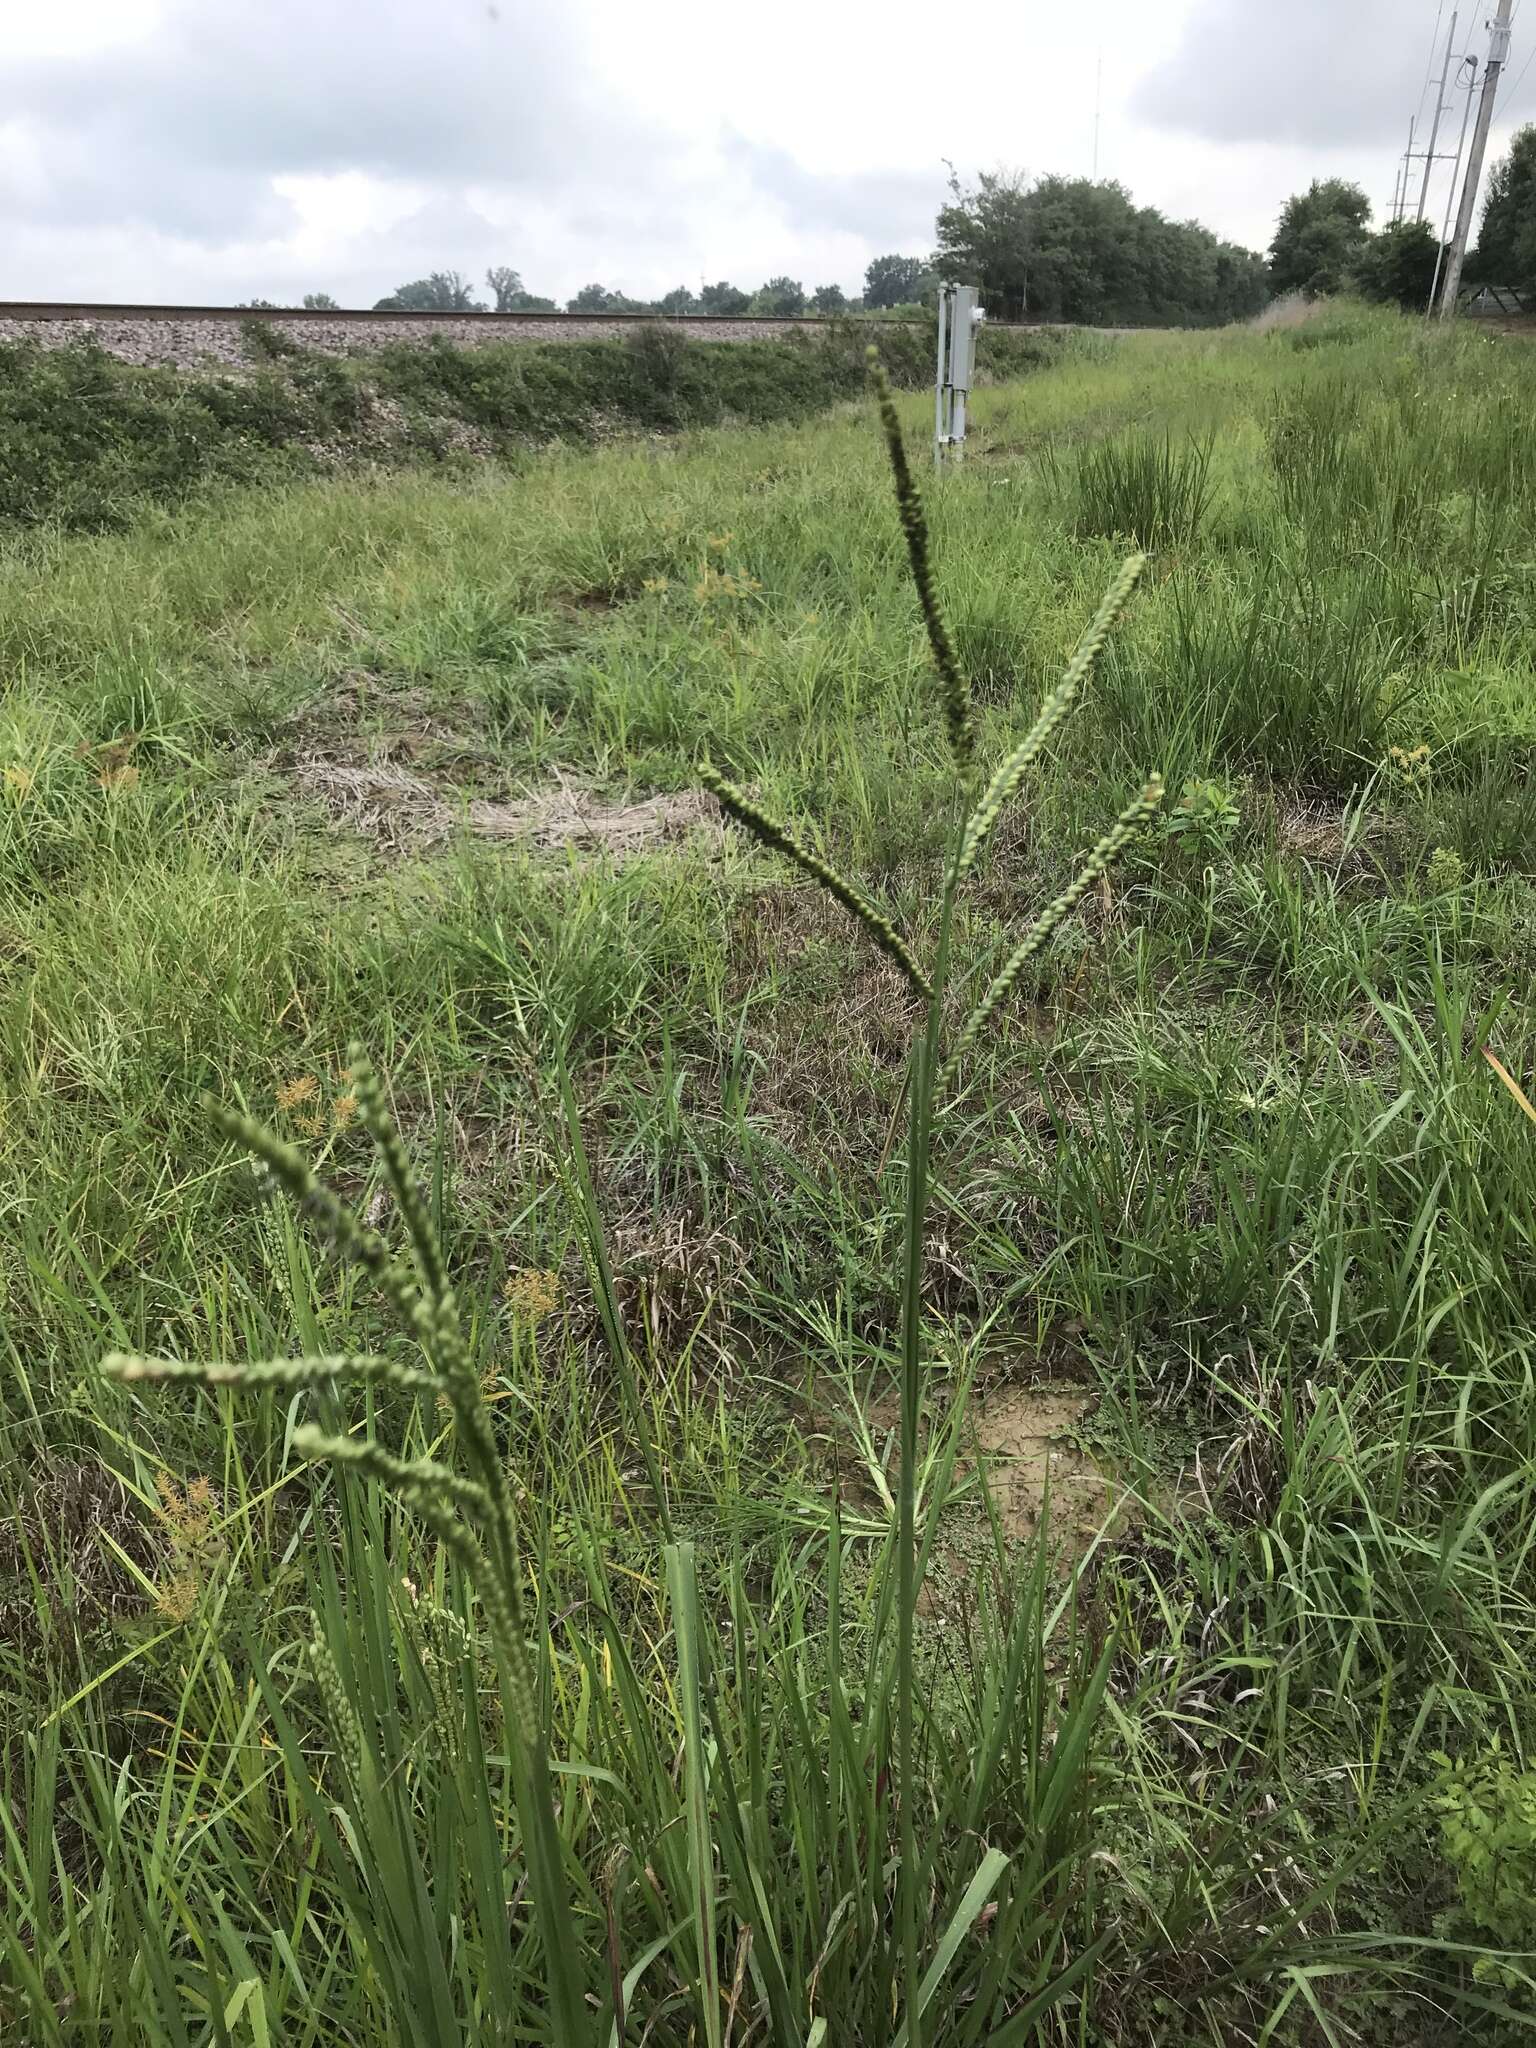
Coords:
470,1505
932,1073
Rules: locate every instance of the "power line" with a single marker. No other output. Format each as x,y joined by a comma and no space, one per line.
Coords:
1434,44
1522,76
1440,103
1429,157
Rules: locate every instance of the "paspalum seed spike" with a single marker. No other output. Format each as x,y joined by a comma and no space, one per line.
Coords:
411,1480
1103,857
380,1125
959,717
768,829
309,1193
1004,784
268,1372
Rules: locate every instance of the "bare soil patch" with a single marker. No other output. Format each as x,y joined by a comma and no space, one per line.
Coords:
1034,1469
403,812
1021,1436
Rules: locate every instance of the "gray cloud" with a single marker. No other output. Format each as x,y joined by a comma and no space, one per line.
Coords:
1332,73
486,129
184,131
899,204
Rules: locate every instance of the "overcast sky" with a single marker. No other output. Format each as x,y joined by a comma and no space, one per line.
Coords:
224,149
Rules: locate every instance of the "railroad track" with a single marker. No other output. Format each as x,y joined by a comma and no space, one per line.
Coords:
191,337
83,309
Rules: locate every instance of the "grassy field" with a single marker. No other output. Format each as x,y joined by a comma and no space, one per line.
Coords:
1199,1394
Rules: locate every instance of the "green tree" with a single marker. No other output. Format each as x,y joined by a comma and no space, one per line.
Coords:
1397,267
985,239
597,298
1242,282
320,302
508,291
893,281
724,299
1079,249
783,297
1319,238
678,302
829,298
445,291
1506,243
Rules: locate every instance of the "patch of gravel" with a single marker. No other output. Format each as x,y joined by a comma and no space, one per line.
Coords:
201,341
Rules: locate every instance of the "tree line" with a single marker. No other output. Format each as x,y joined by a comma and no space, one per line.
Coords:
1081,250
889,281
1324,244
1052,249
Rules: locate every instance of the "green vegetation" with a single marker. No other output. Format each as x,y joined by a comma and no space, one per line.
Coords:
1320,237
445,291
1228,1166
895,281
1323,244
1397,267
1506,243
1080,249
86,440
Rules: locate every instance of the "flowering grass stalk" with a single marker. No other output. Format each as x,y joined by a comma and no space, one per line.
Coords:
931,1069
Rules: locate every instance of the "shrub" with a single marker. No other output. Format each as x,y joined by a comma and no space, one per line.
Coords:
84,436
656,353
265,341
1488,1825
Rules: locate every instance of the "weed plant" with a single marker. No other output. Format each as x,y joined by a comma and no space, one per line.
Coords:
1138,487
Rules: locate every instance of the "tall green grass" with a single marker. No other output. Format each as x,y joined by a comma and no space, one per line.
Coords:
1150,491
1227,1158
472,1511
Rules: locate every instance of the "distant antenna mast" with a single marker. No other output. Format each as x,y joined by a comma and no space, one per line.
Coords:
1098,109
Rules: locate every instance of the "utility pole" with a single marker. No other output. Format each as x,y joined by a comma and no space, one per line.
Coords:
1098,109
1493,71
1429,157
1467,64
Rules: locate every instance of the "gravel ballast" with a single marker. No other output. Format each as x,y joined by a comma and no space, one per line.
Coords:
201,339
